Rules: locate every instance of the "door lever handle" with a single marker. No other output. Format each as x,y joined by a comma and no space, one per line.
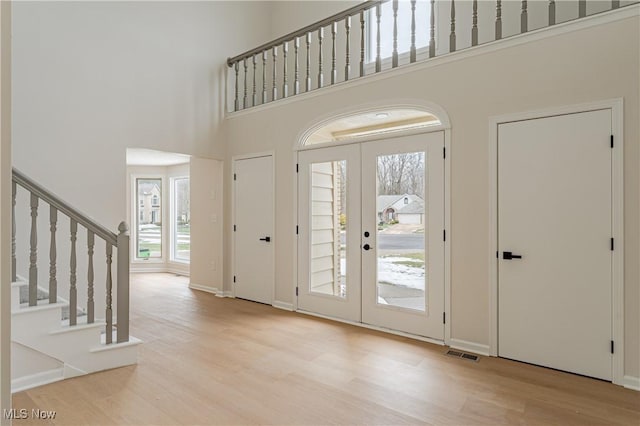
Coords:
507,255
267,239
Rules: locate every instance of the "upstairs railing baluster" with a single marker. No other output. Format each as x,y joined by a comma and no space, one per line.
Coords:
274,91
255,88
432,30
582,8
109,310
53,255
615,4
73,291
245,99
285,77
394,55
236,103
498,19
552,12
33,253
378,46
14,193
296,83
362,43
474,25
347,67
90,302
308,78
334,70
320,56
452,35
264,77
524,18
412,50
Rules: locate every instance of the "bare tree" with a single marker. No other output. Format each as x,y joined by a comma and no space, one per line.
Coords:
401,174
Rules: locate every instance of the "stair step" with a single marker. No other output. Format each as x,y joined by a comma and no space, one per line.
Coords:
25,309
133,341
66,328
39,379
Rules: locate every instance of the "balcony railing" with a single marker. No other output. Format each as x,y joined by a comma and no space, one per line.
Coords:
349,44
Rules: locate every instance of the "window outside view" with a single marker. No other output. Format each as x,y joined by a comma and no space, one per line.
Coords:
401,220
149,232
181,220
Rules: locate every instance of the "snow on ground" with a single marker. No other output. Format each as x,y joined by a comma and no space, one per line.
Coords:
401,275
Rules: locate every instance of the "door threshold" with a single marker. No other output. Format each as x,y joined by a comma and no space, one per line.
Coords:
375,327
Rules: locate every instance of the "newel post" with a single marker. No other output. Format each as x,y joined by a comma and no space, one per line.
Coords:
123,283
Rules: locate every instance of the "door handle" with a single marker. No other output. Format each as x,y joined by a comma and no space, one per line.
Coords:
507,255
267,239
366,247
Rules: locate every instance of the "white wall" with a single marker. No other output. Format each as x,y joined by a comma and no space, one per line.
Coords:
94,78
5,208
206,223
603,64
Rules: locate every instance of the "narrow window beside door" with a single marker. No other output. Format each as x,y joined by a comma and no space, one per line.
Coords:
149,227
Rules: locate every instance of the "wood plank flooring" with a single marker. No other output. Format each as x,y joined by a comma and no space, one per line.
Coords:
208,360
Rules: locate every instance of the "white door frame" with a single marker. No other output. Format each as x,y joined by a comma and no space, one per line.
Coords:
617,214
444,127
274,240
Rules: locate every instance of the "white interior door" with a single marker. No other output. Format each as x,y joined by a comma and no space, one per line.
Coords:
329,232
554,210
253,229
402,238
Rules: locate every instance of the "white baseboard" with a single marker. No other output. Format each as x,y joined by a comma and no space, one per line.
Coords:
467,346
631,382
282,305
227,293
38,379
204,288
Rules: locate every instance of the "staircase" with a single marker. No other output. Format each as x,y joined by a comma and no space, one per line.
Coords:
56,337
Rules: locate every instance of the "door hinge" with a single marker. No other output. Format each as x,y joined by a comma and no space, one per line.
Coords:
444,235
611,141
297,167
612,348
296,291
234,228
235,177
444,152
444,317
612,246
234,278
297,230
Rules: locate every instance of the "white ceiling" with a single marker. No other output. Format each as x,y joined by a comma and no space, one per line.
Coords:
150,157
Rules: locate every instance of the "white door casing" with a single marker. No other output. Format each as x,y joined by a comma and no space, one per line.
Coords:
554,181
253,226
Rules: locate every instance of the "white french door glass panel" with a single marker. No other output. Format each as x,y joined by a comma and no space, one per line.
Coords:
402,234
253,236
554,210
329,232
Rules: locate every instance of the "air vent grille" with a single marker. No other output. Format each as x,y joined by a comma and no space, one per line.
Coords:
458,354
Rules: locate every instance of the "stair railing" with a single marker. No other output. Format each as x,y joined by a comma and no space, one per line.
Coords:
120,241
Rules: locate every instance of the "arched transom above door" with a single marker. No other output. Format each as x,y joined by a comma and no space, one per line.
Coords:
365,124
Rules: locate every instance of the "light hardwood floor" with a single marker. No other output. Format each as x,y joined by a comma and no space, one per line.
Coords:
208,360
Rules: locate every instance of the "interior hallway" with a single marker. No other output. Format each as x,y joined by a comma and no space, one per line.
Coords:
208,360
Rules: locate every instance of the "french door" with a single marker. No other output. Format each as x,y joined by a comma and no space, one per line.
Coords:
371,221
